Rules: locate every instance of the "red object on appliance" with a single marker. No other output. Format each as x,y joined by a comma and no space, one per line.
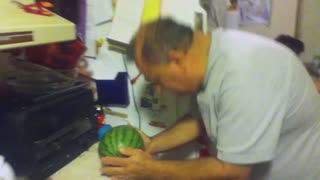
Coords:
64,55
100,120
38,8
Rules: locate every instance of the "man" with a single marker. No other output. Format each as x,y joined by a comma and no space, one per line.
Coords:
297,47
257,103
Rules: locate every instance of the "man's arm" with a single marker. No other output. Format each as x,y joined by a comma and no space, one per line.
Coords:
206,168
140,165
182,132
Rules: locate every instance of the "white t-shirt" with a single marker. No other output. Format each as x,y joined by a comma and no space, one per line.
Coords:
260,106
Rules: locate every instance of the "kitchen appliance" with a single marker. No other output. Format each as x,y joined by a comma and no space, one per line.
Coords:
41,134
129,15
20,29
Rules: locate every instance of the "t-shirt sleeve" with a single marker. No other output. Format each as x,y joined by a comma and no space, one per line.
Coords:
251,109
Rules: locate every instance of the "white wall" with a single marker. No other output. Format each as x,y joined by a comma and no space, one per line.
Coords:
283,19
299,18
308,27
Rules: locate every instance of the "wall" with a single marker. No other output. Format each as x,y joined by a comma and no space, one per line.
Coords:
299,18
283,20
308,27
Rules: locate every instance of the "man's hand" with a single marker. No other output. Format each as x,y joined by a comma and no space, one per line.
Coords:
135,166
146,140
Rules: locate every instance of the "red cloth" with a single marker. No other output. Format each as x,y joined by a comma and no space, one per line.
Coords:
57,55
204,147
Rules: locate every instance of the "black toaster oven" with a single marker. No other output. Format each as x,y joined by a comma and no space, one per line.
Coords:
40,135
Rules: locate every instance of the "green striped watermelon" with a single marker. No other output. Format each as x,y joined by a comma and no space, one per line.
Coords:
117,137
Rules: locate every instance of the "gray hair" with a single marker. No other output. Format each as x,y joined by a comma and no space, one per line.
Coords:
161,37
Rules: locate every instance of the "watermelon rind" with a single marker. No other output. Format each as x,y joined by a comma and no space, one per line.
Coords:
118,137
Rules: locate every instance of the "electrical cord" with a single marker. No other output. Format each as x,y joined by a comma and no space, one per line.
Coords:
124,58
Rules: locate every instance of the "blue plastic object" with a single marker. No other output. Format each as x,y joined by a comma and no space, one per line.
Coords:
103,130
114,92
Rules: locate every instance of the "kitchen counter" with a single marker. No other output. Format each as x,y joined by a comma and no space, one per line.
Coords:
85,167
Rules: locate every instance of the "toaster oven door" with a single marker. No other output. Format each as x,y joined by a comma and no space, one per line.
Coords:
52,133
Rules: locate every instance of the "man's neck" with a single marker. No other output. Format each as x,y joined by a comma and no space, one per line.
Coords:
200,53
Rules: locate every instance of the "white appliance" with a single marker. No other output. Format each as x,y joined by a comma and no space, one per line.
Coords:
129,15
189,13
19,28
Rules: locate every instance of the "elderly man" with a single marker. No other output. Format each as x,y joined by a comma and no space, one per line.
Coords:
257,102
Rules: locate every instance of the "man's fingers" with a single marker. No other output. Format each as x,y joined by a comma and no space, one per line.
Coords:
112,171
146,139
120,178
114,161
129,151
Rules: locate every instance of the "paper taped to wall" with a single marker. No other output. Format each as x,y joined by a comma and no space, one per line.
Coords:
126,21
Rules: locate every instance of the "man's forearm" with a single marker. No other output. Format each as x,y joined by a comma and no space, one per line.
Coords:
208,168
182,132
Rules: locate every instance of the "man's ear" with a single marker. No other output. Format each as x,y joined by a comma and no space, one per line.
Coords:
176,56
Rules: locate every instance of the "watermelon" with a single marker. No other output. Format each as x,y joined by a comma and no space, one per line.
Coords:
118,137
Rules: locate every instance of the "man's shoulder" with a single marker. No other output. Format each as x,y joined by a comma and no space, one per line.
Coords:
240,38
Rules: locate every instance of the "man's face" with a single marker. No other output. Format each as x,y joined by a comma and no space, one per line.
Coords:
165,76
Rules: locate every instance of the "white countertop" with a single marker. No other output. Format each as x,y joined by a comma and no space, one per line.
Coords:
85,167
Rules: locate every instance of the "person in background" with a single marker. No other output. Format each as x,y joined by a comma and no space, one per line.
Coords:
257,103
297,46
294,44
